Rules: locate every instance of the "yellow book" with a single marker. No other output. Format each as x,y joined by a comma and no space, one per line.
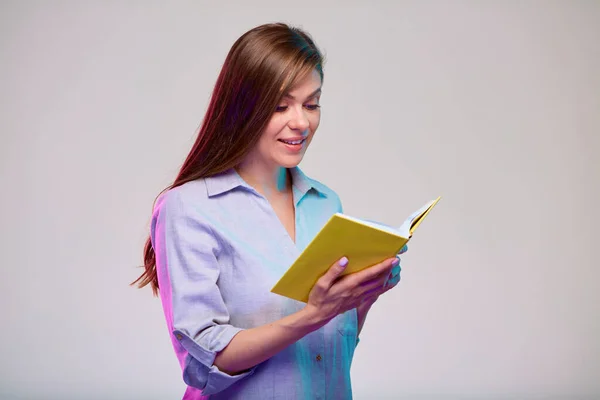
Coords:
365,243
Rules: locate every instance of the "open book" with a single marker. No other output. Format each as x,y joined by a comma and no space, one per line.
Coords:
365,243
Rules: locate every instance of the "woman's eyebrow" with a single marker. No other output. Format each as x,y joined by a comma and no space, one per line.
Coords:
313,94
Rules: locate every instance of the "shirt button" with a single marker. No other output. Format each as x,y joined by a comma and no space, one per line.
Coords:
318,357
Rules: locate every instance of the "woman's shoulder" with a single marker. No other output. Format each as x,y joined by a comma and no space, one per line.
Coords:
183,211
180,199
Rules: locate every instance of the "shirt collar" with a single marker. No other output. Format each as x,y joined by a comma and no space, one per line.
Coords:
304,184
224,182
230,179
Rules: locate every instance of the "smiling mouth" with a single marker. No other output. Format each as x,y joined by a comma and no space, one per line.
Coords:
293,142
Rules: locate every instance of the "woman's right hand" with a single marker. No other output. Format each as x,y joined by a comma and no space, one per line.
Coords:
333,295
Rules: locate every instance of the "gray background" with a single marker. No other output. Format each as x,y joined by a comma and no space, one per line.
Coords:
493,105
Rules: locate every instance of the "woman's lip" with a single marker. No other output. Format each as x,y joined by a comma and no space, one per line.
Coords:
285,141
294,148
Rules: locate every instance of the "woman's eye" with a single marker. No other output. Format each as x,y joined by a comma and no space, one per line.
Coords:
310,107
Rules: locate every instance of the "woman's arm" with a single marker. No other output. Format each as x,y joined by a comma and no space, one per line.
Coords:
329,297
196,314
253,346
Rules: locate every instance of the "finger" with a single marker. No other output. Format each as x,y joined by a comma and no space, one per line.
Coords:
371,286
383,276
404,249
334,272
389,284
393,281
395,271
374,271
374,284
375,293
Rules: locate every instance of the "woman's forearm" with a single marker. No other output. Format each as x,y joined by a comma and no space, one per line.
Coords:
253,346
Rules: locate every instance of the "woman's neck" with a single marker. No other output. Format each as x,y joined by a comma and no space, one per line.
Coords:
269,182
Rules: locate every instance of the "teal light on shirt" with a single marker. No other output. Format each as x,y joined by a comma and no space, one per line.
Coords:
220,248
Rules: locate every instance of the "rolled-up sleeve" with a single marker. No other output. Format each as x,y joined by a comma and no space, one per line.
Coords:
186,262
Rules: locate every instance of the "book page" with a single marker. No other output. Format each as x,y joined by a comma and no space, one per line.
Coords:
373,224
405,228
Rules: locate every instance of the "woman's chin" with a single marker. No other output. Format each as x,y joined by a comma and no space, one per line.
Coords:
289,162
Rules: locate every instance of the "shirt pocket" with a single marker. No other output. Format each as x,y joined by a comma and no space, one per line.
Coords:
347,323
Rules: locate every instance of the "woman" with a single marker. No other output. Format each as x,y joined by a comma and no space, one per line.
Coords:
238,214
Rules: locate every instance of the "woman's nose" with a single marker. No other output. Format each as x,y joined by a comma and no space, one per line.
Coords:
299,120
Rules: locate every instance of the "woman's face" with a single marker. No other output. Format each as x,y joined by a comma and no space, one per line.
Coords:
292,126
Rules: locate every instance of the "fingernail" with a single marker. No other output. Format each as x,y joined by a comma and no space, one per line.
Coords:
343,262
395,262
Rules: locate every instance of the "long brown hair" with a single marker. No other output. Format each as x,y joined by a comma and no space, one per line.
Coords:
262,65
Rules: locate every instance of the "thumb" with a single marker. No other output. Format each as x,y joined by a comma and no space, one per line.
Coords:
335,270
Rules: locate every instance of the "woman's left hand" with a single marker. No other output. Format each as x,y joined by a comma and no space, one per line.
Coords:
392,281
394,278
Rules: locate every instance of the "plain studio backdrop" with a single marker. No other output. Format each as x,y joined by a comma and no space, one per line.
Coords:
495,106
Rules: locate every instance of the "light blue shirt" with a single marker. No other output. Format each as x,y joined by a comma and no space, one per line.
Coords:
220,248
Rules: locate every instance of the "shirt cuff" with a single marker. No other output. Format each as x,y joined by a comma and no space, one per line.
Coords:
199,370
219,380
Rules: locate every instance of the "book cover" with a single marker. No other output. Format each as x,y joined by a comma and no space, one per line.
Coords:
365,243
